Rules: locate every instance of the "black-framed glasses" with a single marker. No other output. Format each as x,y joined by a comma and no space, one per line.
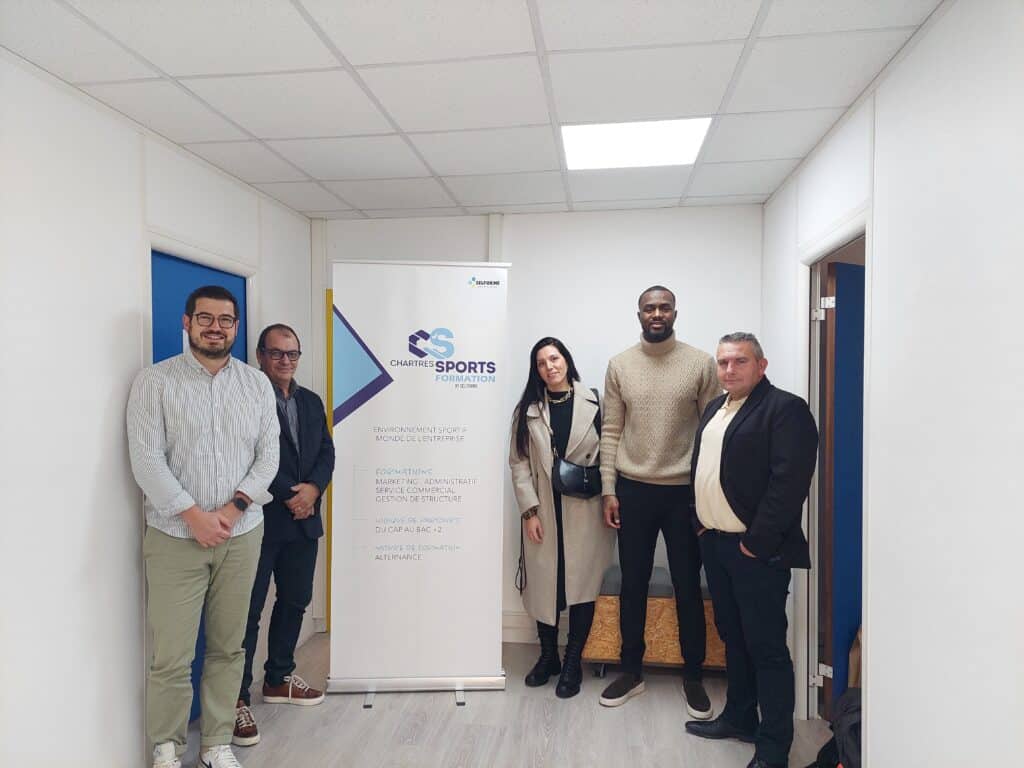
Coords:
277,354
205,319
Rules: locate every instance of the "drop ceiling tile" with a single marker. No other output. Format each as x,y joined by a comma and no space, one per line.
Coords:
800,73
726,200
303,196
525,208
61,43
366,157
497,150
333,215
508,189
249,161
629,183
620,86
756,178
622,205
571,24
392,193
222,37
768,135
166,109
378,31
412,213
794,17
466,94
295,105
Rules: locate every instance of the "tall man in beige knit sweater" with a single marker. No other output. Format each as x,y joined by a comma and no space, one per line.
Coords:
655,393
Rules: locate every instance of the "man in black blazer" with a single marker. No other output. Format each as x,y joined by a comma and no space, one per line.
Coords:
752,464
292,525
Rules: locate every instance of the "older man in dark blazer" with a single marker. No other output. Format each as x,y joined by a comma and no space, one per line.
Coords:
752,464
292,527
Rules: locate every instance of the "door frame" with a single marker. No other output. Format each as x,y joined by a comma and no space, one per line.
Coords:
804,637
821,394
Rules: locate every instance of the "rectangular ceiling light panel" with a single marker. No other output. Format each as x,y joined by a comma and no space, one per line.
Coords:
633,145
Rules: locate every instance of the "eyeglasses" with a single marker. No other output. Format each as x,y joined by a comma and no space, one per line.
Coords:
277,354
205,319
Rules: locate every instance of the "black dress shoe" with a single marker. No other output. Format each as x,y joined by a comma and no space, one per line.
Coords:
757,762
719,728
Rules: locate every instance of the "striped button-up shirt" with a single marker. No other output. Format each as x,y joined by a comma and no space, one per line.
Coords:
196,438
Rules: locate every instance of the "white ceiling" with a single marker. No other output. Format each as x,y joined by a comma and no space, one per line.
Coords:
383,108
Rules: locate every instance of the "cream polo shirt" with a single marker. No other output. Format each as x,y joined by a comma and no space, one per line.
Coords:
713,508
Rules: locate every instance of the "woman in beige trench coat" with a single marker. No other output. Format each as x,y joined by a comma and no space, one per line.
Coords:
566,545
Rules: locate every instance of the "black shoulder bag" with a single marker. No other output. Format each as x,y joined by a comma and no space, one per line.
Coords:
575,480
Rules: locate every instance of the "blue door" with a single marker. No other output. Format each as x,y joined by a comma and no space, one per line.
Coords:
173,279
846,414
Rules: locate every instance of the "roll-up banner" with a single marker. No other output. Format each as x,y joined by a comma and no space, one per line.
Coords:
418,383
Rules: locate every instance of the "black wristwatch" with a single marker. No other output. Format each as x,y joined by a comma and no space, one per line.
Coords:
240,504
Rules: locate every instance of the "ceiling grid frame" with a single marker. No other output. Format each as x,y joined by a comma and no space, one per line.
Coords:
315,43
166,77
748,47
354,74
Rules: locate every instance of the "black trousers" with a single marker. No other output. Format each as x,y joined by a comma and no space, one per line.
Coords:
644,510
749,596
581,618
292,564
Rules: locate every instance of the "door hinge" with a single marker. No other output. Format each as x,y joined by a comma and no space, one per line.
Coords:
818,680
826,302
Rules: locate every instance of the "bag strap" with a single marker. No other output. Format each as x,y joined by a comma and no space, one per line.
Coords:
520,580
597,422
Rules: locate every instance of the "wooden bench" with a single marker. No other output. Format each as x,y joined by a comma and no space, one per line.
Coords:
661,634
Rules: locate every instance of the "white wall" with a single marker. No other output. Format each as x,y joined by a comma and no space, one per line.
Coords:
945,424
578,276
824,204
938,191
82,192
428,239
71,244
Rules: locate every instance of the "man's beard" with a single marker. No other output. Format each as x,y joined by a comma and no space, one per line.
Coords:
210,354
654,338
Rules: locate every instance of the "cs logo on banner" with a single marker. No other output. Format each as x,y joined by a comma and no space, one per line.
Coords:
438,343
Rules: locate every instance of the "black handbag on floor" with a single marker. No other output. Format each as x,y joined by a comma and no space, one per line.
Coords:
575,480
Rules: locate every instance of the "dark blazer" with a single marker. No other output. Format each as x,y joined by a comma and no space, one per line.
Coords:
311,462
768,456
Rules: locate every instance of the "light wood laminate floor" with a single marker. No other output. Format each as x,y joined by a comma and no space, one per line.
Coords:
519,727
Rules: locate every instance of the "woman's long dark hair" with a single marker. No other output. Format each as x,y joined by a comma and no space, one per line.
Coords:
533,392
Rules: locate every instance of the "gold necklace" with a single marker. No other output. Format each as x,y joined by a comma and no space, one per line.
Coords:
559,400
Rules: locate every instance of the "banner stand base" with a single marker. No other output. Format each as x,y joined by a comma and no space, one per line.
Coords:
412,684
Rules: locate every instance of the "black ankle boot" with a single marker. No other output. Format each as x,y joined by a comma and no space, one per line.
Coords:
548,664
572,670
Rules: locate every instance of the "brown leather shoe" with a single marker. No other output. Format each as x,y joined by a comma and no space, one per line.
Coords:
294,690
246,733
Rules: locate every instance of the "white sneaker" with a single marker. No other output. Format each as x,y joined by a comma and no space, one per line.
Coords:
164,756
220,756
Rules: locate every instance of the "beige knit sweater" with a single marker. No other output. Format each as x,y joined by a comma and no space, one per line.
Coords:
654,395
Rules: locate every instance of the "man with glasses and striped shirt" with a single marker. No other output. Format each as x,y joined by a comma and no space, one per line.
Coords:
203,440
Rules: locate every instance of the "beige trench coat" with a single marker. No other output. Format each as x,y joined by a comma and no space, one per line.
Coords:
588,542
